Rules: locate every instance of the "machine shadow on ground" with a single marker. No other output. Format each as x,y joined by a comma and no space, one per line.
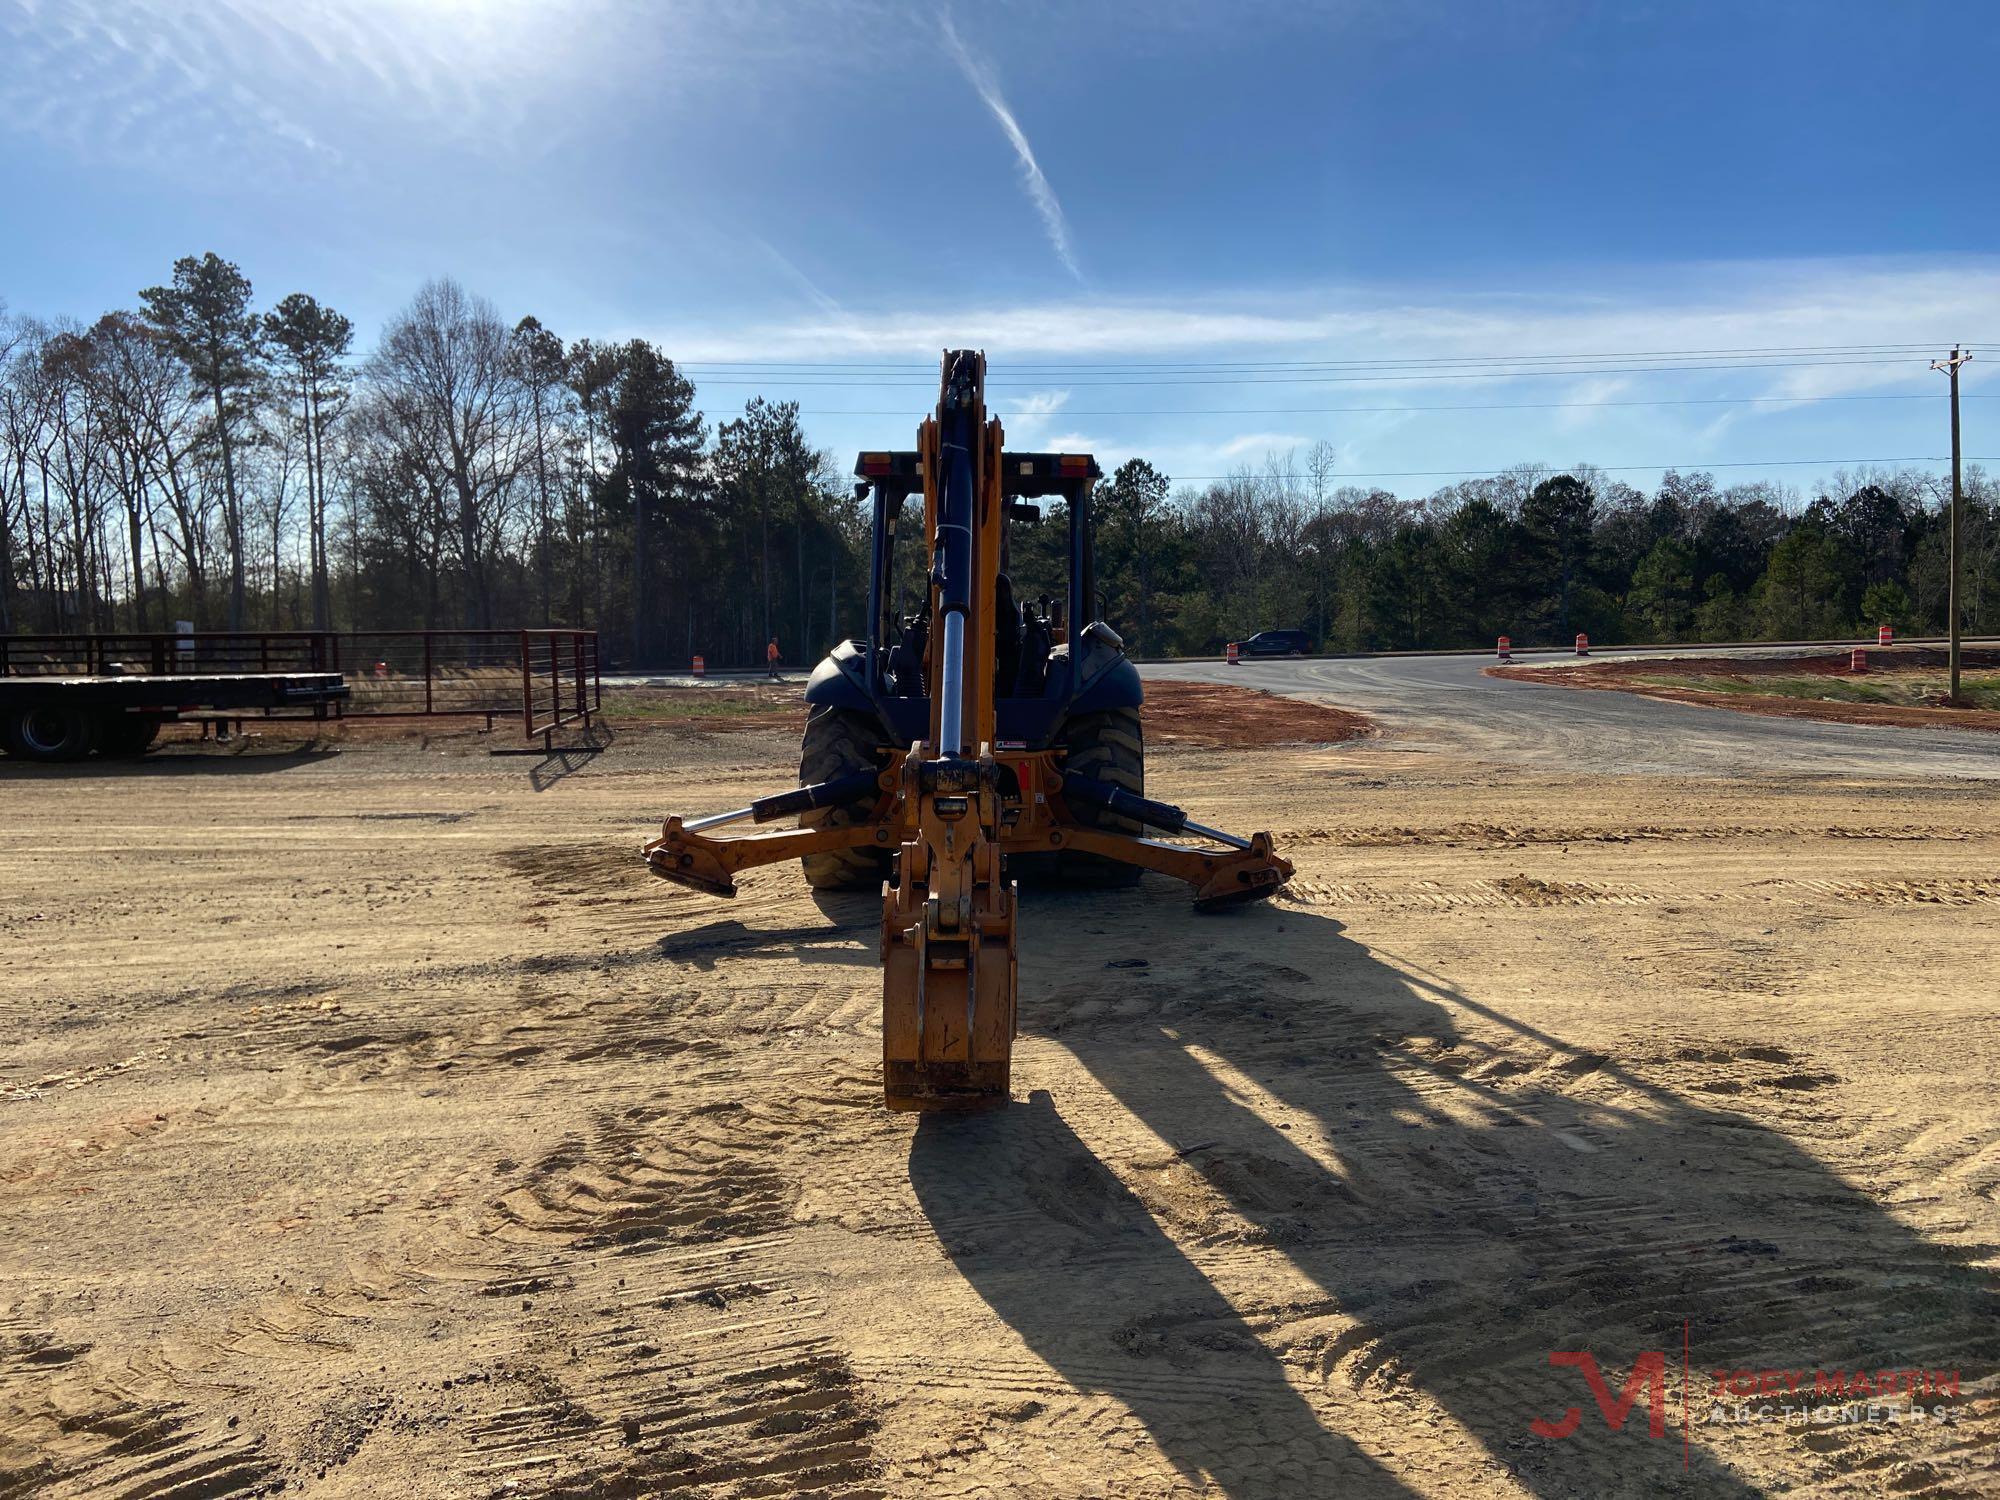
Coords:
702,948
1096,1285
1474,1204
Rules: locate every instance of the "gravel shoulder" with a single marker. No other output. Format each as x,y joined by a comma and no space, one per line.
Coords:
1793,683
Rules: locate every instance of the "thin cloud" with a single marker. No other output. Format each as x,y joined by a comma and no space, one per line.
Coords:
1029,416
1264,442
1032,178
1772,304
1039,404
1605,388
261,82
799,279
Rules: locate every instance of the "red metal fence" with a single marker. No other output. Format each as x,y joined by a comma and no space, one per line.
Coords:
546,678
561,682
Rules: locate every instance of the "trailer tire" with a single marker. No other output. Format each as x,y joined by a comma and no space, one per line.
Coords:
126,734
51,732
839,741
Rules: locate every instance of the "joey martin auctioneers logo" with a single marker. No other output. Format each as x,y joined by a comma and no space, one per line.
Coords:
1795,1397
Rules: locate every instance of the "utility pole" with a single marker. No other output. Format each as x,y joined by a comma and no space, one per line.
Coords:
1950,368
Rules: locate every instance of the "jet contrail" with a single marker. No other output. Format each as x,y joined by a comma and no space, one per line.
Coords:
1045,200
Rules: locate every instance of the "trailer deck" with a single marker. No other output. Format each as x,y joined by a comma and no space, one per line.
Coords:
60,718
181,693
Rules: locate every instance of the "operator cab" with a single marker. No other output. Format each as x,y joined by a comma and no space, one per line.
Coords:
1044,615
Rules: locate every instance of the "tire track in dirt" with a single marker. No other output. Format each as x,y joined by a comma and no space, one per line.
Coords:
1515,891
1508,836
649,1232
63,1431
320,1053
656,1254
1938,891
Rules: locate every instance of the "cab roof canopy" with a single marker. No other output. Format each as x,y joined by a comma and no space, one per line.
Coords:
1025,476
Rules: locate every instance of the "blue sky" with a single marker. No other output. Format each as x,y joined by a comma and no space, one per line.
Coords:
1072,185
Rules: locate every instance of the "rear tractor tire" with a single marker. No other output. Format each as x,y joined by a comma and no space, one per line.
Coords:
1110,748
840,741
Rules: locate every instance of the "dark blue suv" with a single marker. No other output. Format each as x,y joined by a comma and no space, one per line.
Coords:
1277,643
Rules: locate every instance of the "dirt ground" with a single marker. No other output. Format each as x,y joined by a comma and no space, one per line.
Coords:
1732,682
1177,713
370,1124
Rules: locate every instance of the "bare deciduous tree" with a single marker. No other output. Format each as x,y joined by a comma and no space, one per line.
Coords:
446,358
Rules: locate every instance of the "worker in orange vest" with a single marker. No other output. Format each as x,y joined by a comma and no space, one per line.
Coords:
771,658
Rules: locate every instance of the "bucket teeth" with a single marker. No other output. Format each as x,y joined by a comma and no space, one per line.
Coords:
945,1087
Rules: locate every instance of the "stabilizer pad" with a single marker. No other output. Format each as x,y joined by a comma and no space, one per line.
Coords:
682,870
1226,899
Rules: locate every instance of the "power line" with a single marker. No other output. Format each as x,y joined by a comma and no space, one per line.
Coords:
1489,470
1327,411
1429,377
1417,366
885,367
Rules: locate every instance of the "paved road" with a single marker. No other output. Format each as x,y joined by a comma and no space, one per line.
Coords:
1447,702
740,677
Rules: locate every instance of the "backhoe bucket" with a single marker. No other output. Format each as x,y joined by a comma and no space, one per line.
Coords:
948,1011
949,973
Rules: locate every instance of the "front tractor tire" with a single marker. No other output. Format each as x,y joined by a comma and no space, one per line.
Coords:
840,741
1109,748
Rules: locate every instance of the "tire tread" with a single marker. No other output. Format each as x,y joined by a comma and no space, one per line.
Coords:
1110,748
837,741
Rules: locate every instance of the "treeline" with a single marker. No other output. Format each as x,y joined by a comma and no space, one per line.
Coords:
1538,556
201,457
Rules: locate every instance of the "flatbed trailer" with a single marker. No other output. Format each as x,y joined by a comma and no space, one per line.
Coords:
59,718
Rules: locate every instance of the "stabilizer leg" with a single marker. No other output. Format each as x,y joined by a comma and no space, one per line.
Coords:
701,863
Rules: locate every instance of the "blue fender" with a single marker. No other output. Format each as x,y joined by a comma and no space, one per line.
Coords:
841,680
1116,686
1108,680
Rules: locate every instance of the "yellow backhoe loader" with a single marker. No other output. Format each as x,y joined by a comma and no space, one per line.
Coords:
976,738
